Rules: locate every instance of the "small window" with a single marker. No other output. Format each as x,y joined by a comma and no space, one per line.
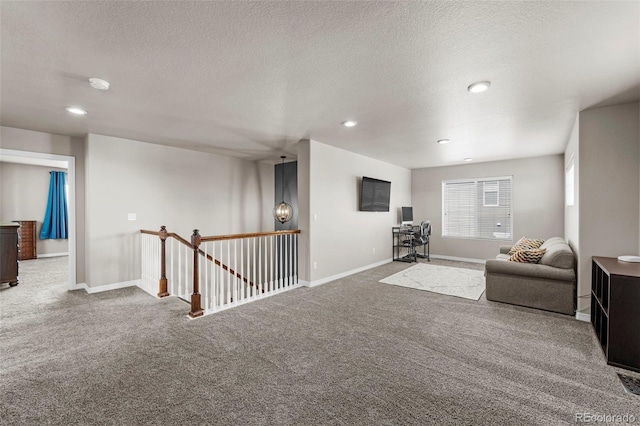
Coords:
569,184
490,196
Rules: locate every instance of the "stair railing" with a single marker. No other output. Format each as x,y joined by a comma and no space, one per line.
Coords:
223,271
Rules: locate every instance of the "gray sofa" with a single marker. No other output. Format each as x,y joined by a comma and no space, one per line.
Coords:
548,285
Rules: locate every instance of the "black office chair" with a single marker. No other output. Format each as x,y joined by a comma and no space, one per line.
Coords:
421,238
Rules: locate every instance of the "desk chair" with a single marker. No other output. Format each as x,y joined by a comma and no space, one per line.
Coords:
421,238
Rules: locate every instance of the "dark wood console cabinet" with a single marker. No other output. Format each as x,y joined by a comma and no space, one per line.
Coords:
27,239
9,254
615,312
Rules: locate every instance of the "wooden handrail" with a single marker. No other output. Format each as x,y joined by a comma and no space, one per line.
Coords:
250,235
224,237
180,239
169,234
216,261
221,238
194,244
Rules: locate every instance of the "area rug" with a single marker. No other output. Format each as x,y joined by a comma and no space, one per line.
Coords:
459,282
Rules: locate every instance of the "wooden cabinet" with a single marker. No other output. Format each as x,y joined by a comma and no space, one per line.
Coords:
27,239
9,254
615,298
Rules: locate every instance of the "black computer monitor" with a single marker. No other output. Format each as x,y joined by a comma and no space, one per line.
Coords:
407,215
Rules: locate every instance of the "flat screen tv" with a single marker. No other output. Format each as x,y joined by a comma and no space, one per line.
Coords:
375,195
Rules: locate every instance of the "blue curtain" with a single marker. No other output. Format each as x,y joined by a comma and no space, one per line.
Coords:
56,220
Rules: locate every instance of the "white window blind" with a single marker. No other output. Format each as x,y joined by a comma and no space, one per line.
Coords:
478,208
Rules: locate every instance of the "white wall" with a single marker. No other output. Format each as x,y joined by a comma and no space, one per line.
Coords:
26,140
24,193
179,188
342,238
609,152
538,202
304,210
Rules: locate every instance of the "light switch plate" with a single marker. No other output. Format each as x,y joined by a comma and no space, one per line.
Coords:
132,216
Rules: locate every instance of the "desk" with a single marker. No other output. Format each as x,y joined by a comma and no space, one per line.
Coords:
403,243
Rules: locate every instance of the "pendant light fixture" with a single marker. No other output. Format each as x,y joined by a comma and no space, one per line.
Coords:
283,212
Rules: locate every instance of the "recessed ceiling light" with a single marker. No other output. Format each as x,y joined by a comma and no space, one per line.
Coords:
349,123
443,141
98,83
468,159
479,86
76,110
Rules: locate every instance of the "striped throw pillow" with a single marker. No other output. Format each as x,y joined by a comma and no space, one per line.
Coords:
528,255
525,243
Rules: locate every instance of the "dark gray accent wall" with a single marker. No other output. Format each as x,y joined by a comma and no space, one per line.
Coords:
290,192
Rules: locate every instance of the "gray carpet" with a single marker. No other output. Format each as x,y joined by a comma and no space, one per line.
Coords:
353,351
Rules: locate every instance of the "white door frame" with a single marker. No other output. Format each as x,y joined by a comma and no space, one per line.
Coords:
71,171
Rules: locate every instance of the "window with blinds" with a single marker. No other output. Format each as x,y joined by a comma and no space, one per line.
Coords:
478,208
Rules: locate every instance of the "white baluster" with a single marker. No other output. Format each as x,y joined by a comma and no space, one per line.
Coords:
295,254
149,261
214,295
156,261
235,271
242,274
287,254
281,262
221,295
179,292
186,265
255,281
260,285
172,282
204,271
142,256
271,264
228,274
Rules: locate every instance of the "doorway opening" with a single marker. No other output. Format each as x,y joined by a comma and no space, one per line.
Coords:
60,162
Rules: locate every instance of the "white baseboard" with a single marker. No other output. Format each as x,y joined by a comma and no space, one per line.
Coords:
343,274
248,300
583,316
40,256
459,259
106,287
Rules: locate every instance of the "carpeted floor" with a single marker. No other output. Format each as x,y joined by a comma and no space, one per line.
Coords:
350,352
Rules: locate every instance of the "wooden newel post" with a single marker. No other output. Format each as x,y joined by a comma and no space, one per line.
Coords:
196,307
162,286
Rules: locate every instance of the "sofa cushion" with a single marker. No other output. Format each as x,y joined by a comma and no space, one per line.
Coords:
525,243
528,255
553,241
558,255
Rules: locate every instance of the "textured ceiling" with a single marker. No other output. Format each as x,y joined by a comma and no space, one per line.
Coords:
250,79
